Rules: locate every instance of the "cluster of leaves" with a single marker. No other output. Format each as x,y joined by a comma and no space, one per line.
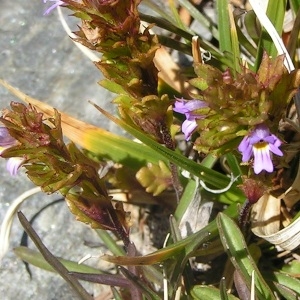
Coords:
54,167
113,28
237,103
237,98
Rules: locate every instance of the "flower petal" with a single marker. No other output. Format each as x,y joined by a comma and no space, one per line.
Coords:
275,150
244,144
246,149
13,164
6,140
261,131
186,106
57,3
259,143
247,154
188,126
262,159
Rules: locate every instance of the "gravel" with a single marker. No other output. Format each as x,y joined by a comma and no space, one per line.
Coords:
37,57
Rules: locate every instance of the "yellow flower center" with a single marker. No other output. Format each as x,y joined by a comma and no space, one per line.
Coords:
261,146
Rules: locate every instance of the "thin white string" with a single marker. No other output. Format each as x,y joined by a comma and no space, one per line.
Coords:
219,191
265,21
8,219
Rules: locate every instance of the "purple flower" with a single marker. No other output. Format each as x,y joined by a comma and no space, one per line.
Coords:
13,164
259,143
189,109
54,5
6,141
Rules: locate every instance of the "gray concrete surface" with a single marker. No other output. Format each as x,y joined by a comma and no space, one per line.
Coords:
37,57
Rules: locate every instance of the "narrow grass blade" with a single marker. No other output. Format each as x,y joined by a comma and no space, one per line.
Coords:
275,15
208,293
35,258
155,8
199,17
224,26
287,281
223,292
234,166
175,15
186,198
235,44
234,243
106,279
295,4
293,42
109,242
53,261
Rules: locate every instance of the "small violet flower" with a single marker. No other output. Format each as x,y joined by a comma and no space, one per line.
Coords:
6,141
259,143
54,5
13,164
188,108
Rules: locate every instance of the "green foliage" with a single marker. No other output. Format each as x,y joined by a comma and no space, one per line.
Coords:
237,103
54,166
243,84
35,258
155,178
232,240
204,292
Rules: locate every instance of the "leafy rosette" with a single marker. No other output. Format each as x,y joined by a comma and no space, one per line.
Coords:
238,103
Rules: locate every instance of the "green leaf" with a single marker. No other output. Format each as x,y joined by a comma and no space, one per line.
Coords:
210,176
194,12
112,86
292,267
116,294
204,292
35,258
223,291
234,243
234,166
109,242
243,39
186,198
154,177
189,245
119,149
295,4
176,16
275,12
288,281
286,293
235,43
224,26
252,25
